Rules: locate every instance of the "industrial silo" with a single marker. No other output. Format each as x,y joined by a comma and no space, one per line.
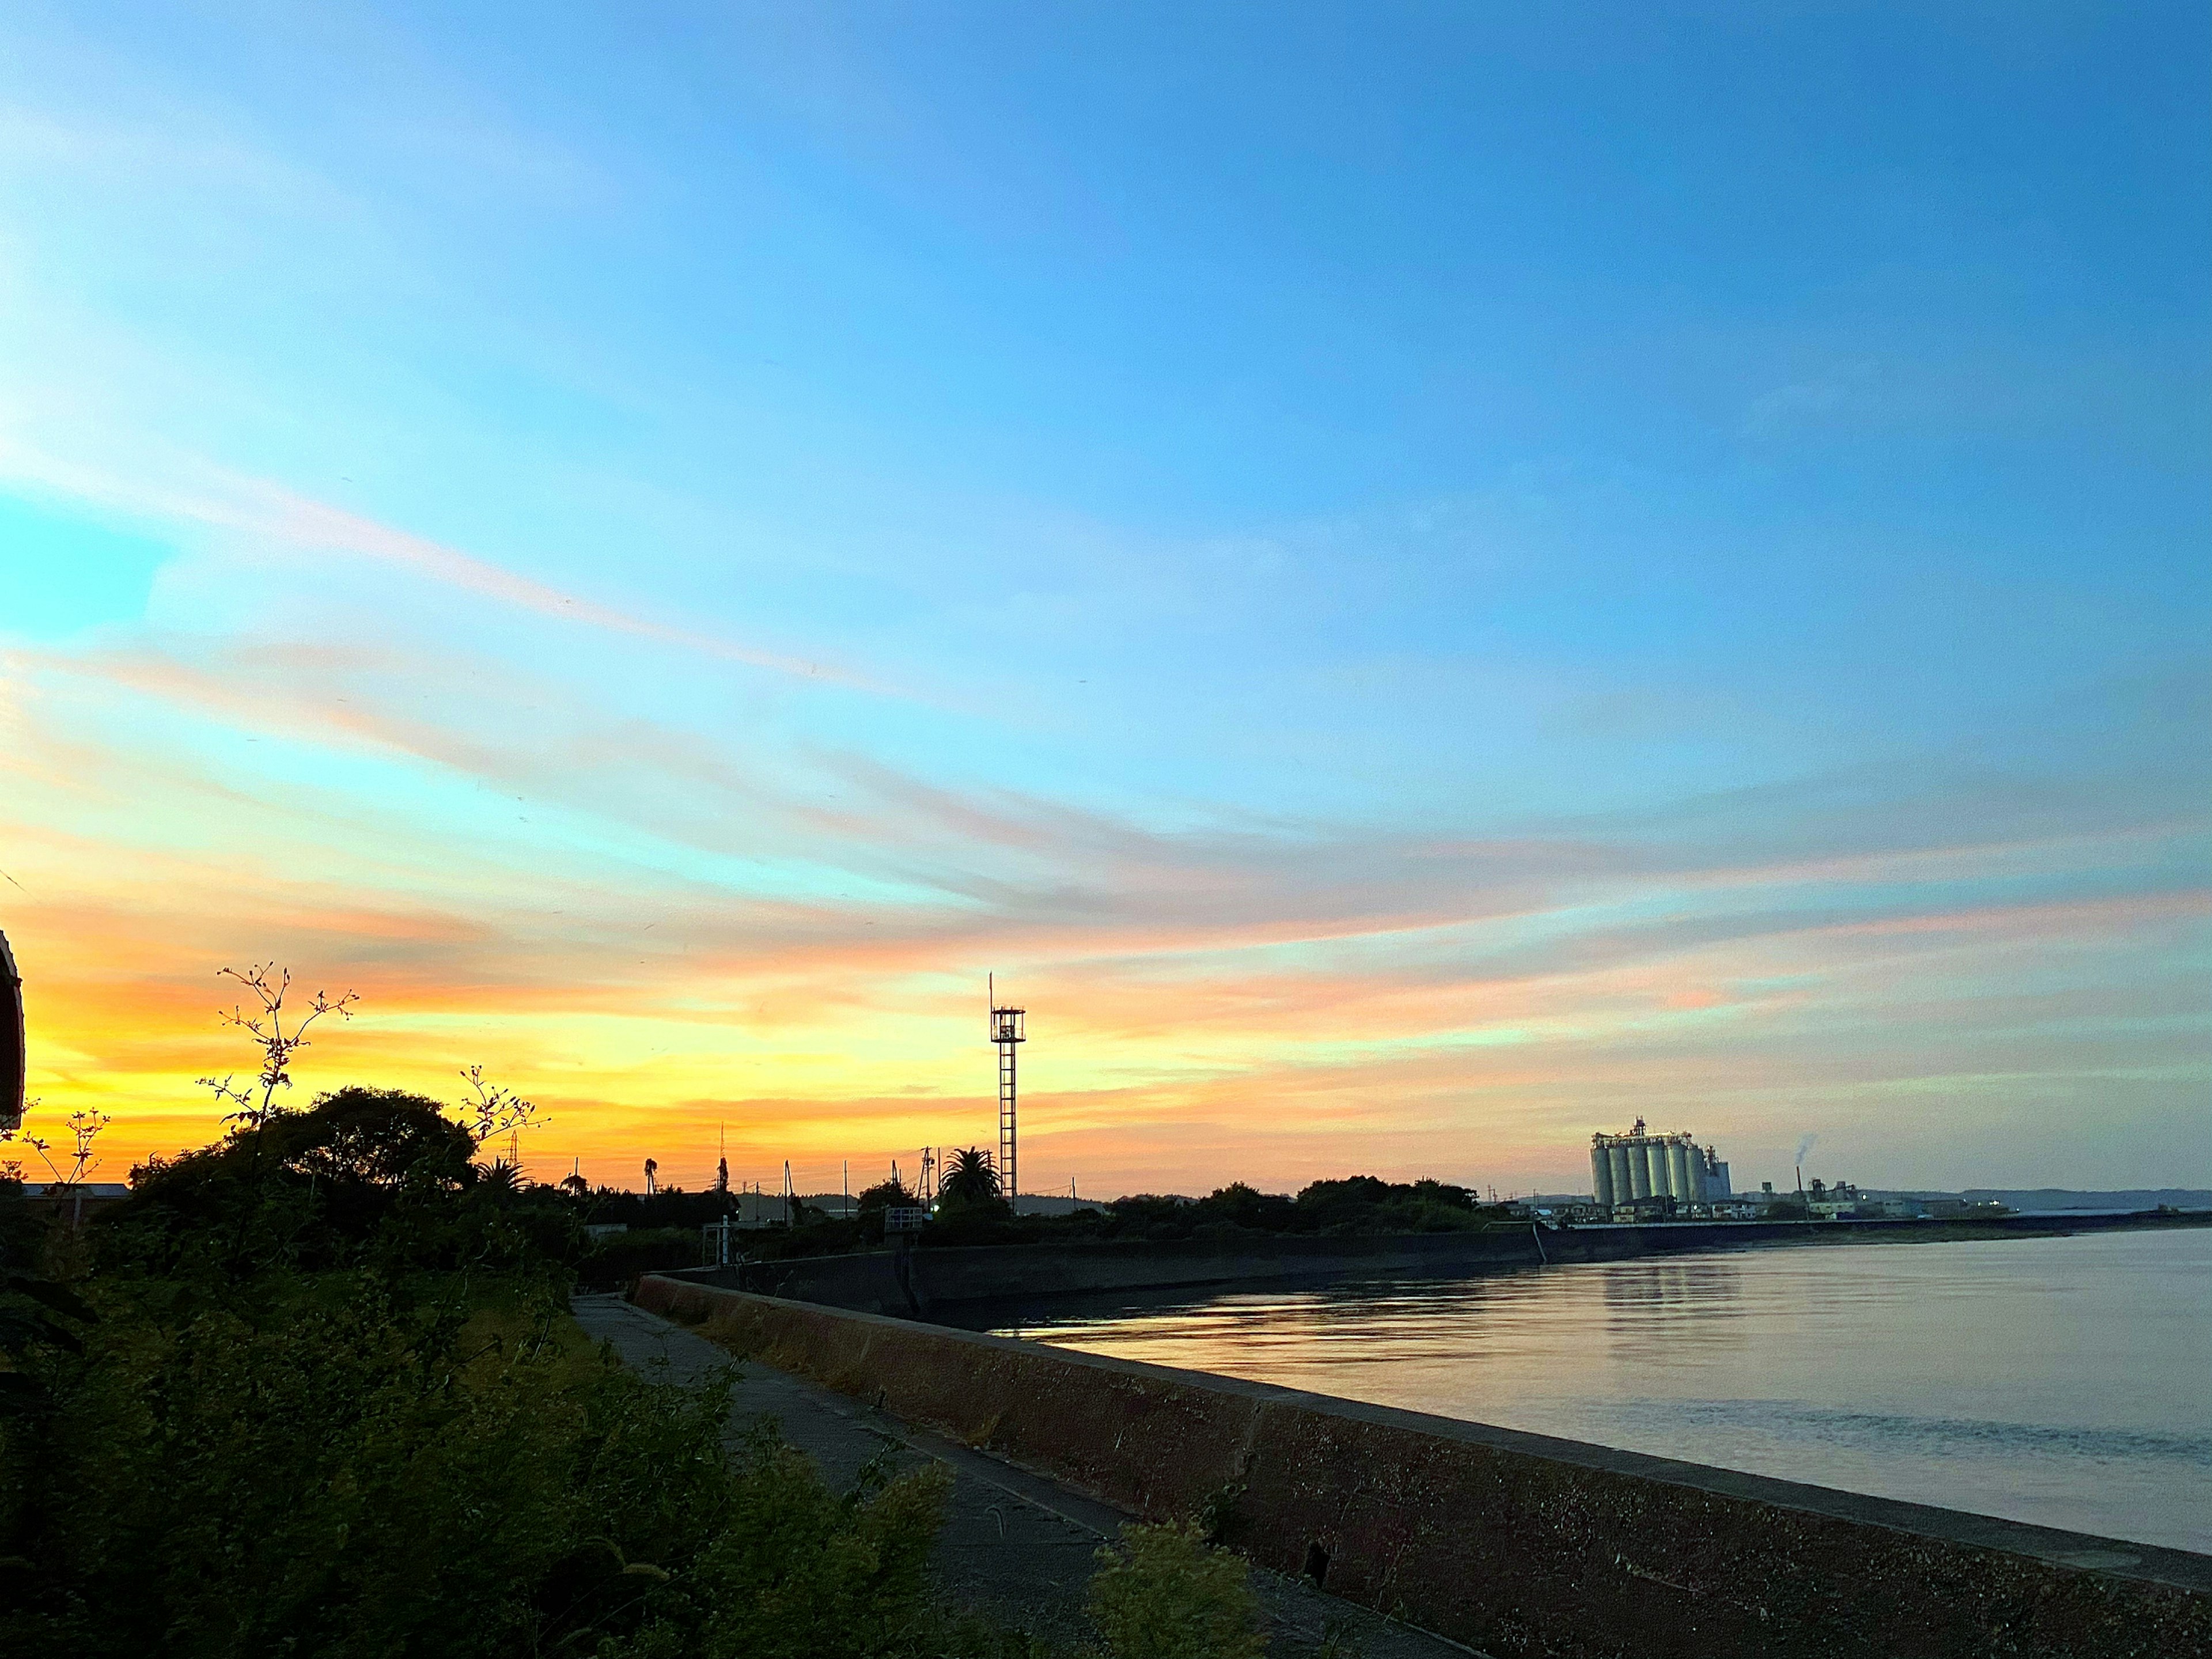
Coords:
1678,1180
1624,1185
1602,1172
1639,1168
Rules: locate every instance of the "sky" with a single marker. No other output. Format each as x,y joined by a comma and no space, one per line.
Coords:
1417,582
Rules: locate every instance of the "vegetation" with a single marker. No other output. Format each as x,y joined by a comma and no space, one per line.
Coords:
975,1214
314,1389
1360,1204
1166,1594
618,1261
971,1182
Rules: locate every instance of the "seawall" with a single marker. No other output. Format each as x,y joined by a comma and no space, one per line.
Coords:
918,1282
1516,1543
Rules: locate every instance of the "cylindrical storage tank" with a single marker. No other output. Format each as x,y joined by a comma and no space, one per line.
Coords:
1678,1171
1717,1176
1602,1174
1639,1168
1617,1156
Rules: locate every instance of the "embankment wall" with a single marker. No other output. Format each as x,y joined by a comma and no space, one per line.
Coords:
1514,1543
885,1282
933,1279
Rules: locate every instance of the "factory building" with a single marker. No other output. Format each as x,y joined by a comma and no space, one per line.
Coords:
1639,1165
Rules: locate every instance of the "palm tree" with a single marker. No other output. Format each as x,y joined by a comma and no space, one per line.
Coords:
971,1179
500,1180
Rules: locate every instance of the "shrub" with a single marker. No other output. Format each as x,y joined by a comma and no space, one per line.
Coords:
617,1260
326,1466
364,1176
796,1572
1166,1594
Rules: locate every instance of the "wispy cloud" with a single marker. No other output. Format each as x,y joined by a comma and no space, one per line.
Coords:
666,590
264,515
652,928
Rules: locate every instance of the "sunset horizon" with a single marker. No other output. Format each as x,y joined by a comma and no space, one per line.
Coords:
660,569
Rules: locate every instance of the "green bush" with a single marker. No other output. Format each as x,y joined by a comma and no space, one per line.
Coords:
795,1572
617,1259
1166,1594
329,1465
364,1177
313,1390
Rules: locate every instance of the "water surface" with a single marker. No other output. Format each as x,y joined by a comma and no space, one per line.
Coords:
2066,1382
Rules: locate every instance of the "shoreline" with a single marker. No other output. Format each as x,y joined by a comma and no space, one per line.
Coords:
2055,1385
1993,1229
949,1282
1513,1542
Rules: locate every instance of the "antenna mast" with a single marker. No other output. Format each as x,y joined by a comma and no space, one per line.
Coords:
1006,1032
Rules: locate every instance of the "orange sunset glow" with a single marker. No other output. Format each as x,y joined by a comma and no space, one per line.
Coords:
662,611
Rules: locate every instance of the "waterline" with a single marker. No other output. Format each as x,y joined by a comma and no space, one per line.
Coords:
2057,1381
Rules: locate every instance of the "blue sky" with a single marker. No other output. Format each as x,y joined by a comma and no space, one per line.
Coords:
1175,504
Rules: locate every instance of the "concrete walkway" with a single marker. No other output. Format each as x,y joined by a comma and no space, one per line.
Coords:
1015,1546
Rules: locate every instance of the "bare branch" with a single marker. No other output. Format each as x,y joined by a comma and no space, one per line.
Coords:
269,983
495,1110
84,1126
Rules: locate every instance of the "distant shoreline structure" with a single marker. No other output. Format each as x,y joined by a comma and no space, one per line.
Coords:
2025,1200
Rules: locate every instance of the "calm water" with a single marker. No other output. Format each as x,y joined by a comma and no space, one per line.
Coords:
2061,1380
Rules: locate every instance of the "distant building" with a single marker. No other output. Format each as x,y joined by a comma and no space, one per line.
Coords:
1841,1202
1626,1169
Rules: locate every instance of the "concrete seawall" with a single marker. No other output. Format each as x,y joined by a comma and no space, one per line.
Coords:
931,1280
878,1281
1516,1543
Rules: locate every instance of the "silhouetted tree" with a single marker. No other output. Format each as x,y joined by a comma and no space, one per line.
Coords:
971,1180
886,1194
